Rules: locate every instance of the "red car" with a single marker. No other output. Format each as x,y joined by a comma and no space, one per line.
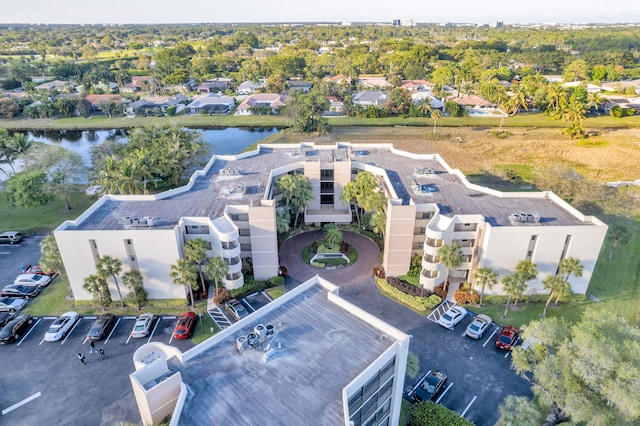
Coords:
508,337
184,326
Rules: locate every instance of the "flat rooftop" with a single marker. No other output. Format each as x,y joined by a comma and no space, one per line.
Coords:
323,348
213,191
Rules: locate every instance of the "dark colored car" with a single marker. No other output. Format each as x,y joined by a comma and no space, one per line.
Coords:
5,317
184,326
508,337
101,327
15,328
20,290
430,386
236,309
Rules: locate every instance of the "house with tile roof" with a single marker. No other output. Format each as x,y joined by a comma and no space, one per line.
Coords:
417,85
373,82
273,101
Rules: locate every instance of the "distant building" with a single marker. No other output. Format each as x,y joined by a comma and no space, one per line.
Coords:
408,23
396,22
211,104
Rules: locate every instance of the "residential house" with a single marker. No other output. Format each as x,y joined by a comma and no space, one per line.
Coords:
622,102
370,97
434,103
471,102
417,85
211,104
373,82
148,104
249,86
138,84
97,101
339,79
59,85
302,86
214,85
261,100
621,86
336,106
590,87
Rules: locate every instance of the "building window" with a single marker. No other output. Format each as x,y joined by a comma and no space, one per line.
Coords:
326,174
235,216
244,232
133,258
326,187
245,247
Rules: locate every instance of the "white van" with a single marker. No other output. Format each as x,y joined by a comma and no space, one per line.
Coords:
10,237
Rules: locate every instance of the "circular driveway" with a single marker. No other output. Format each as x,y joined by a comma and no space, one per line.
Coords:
368,258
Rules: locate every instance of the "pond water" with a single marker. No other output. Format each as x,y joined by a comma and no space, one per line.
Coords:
230,140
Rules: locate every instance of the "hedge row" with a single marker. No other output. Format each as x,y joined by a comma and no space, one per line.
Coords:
466,296
432,414
405,287
252,286
535,298
422,305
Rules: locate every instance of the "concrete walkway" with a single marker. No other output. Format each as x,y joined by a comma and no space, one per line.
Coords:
368,258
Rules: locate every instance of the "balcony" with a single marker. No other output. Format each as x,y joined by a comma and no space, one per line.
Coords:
465,243
230,249
429,258
429,274
433,242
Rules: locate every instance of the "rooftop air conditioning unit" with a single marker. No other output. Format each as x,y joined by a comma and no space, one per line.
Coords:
253,339
261,331
242,344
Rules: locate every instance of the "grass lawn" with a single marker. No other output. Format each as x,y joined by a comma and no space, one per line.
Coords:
203,329
45,218
275,292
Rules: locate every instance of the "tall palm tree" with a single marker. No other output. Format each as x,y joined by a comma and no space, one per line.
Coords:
567,267
196,251
594,100
332,234
216,269
485,277
518,100
451,257
107,266
558,286
526,270
96,284
436,114
184,273
511,285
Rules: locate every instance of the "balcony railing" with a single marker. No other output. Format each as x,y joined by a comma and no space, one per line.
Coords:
431,259
432,242
429,274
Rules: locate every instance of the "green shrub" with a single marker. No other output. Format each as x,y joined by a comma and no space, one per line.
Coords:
250,286
432,414
275,281
422,305
171,110
318,265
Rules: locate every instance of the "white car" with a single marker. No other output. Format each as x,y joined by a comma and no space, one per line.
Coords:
61,326
11,304
478,326
143,325
33,279
453,316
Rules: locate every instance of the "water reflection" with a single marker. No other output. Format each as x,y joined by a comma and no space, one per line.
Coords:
224,140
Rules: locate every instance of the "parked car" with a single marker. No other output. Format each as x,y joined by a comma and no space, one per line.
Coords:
454,315
430,386
61,326
508,337
10,237
184,326
5,317
14,328
20,290
11,304
143,324
33,279
236,309
101,327
35,269
480,324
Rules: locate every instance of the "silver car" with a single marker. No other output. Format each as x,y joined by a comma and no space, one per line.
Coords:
453,316
11,304
480,324
143,325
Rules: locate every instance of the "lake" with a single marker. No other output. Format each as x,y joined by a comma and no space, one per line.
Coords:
229,140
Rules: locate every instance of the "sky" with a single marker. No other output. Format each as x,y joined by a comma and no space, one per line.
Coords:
225,11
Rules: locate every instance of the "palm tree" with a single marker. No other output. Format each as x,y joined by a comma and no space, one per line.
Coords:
378,222
511,285
107,266
436,114
518,100
50,258
485,277
216,269
525,270
557,286
96,284
183,272
567,267
332,234
133,281
594,100
196,251
618,235
451,256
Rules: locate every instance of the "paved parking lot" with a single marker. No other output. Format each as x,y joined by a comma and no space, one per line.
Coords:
49,379
12,256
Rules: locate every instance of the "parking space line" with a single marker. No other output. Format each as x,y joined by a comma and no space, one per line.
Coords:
444,393
249,304
154,329
490,337
29,332
265,294
506,355
21,403
112,330
468,406
70,331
